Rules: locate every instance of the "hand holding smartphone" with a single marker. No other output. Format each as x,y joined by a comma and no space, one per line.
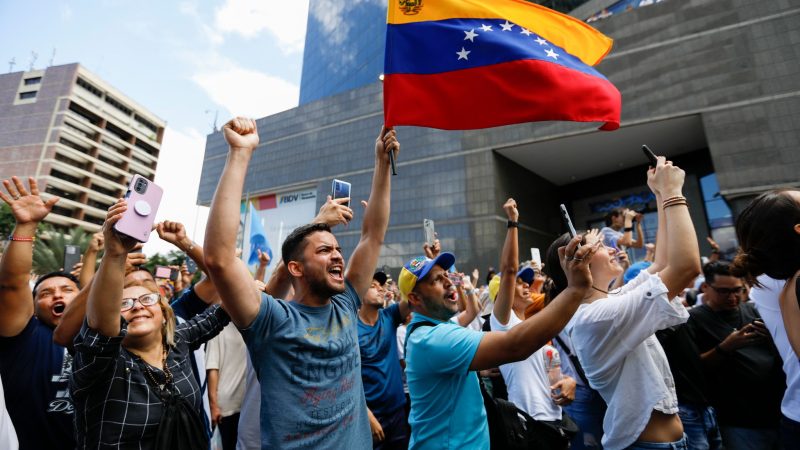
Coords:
340,189
567,220
430,234
72,256
143,198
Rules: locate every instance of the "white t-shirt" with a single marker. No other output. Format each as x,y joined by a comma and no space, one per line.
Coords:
8,436
615,343
766,299
527,381
228,354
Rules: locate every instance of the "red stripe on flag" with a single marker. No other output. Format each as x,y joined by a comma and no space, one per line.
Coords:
501,94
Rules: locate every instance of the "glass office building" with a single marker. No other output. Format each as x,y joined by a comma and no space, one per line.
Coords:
716,94
344,47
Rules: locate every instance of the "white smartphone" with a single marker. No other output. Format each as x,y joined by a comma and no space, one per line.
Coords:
430,234
536,257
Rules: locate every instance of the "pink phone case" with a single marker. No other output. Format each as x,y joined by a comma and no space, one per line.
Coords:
137,222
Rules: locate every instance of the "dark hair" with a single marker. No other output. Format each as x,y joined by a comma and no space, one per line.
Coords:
55,274
767,240
714,268
552,267
490,274
295,242
613,213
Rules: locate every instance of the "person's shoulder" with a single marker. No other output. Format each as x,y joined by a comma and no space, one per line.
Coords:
35,333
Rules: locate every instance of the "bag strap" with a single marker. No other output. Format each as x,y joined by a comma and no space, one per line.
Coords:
410,329
574,359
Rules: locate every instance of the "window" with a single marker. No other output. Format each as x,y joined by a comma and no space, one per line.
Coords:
34,80
86,85
27,95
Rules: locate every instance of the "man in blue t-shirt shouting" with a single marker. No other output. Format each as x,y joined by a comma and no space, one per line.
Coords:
304,351
35,371
380,366
446,403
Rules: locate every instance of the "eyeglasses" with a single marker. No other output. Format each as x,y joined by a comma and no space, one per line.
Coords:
728,291
144,300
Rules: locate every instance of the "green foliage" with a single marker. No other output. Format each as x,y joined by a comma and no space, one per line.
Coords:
7,221
173,258
48,254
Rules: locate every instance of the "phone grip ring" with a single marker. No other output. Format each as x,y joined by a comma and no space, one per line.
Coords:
142,208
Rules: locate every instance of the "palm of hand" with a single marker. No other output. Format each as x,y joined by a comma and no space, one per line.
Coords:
29,208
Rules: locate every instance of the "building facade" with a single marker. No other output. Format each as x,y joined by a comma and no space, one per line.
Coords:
78,136
712,84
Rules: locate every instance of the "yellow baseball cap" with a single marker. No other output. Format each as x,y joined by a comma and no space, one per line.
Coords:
417,268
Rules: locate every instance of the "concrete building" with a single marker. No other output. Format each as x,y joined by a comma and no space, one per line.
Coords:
78,136
713,84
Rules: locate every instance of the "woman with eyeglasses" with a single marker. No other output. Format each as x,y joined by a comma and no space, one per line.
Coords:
132,383
768,230
612,332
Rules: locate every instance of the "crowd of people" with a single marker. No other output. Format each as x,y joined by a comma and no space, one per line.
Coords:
583,350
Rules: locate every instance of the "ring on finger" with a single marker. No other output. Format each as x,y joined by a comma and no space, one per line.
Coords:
15,197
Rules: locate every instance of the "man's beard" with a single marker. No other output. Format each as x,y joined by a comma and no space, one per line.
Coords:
322,289
438,310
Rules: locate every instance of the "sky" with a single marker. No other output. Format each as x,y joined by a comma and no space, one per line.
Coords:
184,61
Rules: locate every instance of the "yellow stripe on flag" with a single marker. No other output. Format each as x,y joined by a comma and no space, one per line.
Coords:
574,36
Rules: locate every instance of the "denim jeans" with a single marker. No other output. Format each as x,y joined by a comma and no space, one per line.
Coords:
677,445
700,426
740,438
587,411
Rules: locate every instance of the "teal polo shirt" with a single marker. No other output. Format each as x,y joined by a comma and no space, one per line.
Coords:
446,404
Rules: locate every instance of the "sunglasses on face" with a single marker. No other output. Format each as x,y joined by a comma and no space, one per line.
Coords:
144,300
728,291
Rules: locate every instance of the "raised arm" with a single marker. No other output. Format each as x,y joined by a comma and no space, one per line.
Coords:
660,258
500,347
90,259
228,273
466,293
105,294
682,250
376,217
263,262
509,266
16,299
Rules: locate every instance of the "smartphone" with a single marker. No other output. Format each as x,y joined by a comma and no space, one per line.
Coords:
173,274
455,279
191,266
567,220
163,272
430,234
72,256
143,198
650,155
536,257
340,189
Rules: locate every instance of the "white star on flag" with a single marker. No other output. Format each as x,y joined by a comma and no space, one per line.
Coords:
486,27
540,41
507,26
526,32
463,54
471,35
550,53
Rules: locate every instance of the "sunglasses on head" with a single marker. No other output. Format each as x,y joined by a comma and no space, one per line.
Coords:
144,300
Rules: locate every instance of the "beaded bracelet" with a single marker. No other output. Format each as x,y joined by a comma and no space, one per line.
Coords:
21,238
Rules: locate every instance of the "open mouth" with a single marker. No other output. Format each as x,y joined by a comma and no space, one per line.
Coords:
452,296
336,273
58,308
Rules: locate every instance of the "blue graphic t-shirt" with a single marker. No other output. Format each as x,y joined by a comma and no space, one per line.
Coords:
35,374
380,365
308,364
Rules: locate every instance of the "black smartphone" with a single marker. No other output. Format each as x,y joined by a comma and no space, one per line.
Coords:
72,256
340,189
567,220
650,155
191,266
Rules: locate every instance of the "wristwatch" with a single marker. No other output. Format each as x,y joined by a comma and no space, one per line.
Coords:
513,224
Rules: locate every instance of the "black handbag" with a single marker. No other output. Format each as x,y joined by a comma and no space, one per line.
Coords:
181,427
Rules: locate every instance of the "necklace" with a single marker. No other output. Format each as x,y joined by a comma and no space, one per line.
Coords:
148,371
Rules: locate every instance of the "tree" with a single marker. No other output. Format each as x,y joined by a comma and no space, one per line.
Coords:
7,221
173,258
48,252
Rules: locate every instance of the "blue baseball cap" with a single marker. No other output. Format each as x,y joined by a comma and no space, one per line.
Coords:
417,268
526,273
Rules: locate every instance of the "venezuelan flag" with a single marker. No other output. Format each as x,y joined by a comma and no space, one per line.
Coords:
467,64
